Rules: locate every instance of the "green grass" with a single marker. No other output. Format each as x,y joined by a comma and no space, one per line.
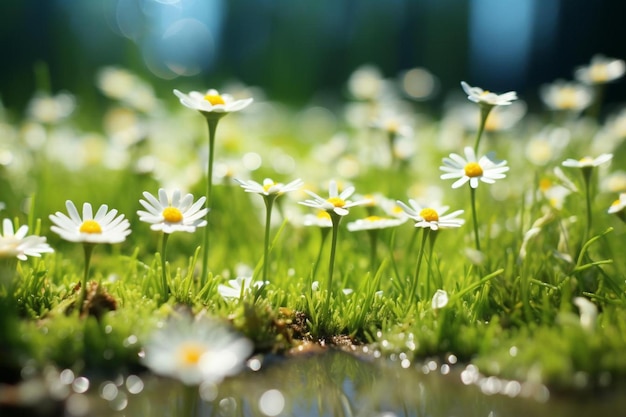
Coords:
511,312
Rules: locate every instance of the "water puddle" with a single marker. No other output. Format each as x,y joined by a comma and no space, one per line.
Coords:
333,384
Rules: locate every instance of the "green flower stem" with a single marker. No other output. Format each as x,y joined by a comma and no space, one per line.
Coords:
336,219
212,120
164,286
433,236
190,400
587,171
420,256
324,234
269,202
484,113
474,218
373,234
88,248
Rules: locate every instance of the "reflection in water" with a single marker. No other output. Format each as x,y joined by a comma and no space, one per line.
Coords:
338,384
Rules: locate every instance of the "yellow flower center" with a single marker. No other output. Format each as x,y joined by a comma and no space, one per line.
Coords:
172,215
214,99
267,186
90,226
586,160
616,203
373,218
567,98
323,215
190,354
429,215
485,92
336,201
598,73
545,184
473,169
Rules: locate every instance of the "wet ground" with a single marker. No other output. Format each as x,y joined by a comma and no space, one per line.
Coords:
331,384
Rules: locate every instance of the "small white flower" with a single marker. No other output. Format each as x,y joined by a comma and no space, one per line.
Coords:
238,287
196,351
562,95
484,97
433,218
336,202
374,223
618,205
173,215
471,170
212,101
587,161
440,299
104,227
51,109
17,244
269,187
601,70
588,313
321,219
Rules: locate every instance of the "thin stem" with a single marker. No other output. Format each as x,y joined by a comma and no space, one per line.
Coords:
373,234
420,256
484,113
164,286
433,236
88,248
474,218
324,233
269,201
333,247
212,120
587,177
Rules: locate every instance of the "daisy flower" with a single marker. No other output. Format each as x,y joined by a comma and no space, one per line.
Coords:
212,101
173,214
472,170
373,223
432,218
194,351
239,286
601,70
269,187
321,219
587,161
485,97
336,202
562,95
104,227
618,205
17,244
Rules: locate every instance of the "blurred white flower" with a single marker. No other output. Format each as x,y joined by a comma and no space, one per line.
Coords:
17,244
238,287
587,161
374,223
51,109
562,95
440,299
336,202
195,350
588,313
601,70
269,187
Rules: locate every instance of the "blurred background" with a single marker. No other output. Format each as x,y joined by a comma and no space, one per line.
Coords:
300,51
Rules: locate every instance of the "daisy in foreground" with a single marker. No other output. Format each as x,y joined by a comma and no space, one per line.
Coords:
213,106
105,227
336,205
431,220
487,101
17,244
472,170
194,351
270,191
176,214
